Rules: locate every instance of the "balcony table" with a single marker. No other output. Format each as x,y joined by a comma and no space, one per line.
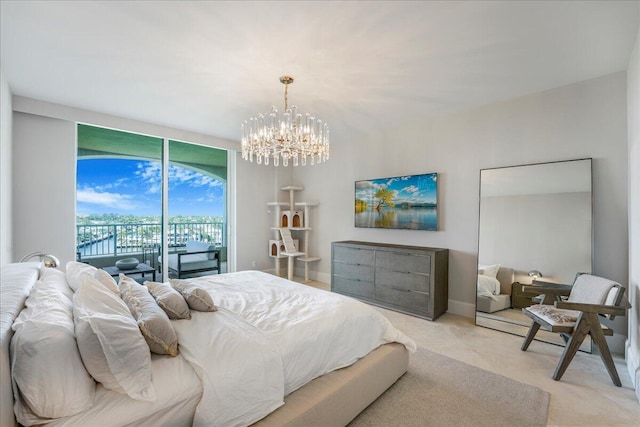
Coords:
141,268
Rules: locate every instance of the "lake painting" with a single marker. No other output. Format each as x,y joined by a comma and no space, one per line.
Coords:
403,202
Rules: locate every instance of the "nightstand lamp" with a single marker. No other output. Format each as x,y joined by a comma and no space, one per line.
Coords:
47,260
535,275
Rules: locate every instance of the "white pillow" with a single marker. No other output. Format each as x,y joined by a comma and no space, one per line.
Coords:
50,380
489,270
74,270
108,281
110,342
56,279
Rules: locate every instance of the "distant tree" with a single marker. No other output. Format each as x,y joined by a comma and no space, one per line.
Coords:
384,197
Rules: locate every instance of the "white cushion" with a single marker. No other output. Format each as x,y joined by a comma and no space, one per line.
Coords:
74,270
554,316
196,246
110,342
591,289
50,380
108,281
489,270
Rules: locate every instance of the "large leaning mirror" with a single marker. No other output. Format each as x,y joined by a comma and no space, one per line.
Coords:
535,224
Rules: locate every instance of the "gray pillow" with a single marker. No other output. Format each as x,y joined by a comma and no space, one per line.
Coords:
169,300
197,297
152,320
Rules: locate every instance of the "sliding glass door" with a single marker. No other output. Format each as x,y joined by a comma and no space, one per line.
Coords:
197,187
141,196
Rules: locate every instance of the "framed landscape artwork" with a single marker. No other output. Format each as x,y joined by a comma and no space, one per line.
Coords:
403,202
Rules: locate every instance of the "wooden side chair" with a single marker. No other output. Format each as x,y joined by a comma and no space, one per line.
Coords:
577,316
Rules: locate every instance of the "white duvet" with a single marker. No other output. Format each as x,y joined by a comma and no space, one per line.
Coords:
488,286
278,335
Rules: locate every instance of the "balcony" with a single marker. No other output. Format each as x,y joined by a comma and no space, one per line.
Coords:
102,245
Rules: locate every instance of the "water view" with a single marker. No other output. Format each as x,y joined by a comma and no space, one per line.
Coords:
99,235
420,218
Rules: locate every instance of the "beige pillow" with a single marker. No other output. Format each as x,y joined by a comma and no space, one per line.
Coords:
197,297
169,300
152,320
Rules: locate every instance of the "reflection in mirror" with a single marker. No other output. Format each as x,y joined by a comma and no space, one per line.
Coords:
535,224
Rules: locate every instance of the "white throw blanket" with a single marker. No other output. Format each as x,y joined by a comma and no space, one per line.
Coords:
488,286
309,332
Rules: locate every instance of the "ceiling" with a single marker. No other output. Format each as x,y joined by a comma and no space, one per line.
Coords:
360,66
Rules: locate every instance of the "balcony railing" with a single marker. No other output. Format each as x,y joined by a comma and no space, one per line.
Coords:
118,239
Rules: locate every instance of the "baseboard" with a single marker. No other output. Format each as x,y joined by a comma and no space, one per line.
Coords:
313,275
633,365
462,308
323,277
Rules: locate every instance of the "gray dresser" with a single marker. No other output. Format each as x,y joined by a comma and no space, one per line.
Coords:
410,279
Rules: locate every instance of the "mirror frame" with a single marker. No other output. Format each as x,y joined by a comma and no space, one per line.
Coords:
507,327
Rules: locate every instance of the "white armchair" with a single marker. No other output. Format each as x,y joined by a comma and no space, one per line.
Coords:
199,257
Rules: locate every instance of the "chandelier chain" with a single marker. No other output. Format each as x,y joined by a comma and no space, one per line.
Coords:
286,97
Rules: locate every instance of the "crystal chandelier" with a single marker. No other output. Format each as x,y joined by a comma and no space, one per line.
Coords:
290,137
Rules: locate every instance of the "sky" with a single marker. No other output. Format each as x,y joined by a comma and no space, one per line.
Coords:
409,189
133,187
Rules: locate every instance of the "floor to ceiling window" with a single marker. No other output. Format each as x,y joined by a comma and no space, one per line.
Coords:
119,190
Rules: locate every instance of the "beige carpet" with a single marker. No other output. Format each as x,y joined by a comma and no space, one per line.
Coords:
440,391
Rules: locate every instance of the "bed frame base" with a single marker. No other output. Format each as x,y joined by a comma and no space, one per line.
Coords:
337,398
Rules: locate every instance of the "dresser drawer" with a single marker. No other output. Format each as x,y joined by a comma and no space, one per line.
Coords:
404,262
354,256
402,280
408,300
353,271
359,288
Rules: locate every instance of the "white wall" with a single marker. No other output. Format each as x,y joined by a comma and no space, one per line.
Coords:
586,119
6,248
633,114
255,188
537,231
44,176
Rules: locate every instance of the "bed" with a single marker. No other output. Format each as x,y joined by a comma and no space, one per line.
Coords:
273,353
494,288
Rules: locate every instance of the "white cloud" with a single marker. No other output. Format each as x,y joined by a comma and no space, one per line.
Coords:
151,173
192,178
411,189
121,201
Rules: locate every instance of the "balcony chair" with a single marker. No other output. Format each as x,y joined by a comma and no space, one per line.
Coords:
577,316
199,257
